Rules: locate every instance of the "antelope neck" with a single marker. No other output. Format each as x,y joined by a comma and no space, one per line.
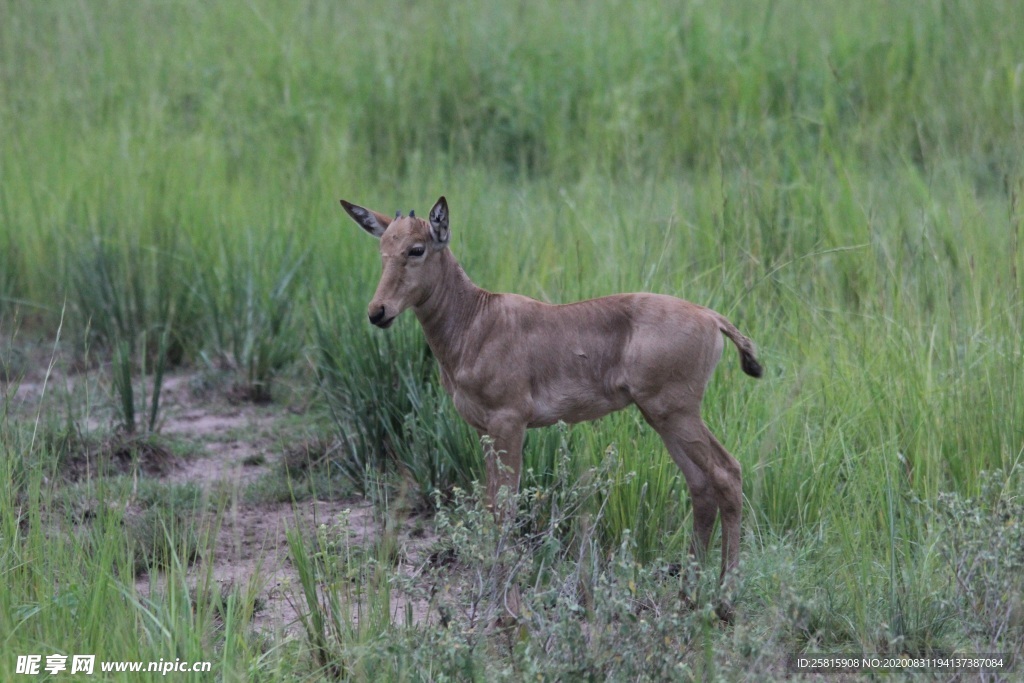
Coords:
448,310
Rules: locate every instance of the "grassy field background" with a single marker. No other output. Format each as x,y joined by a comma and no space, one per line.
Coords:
843,180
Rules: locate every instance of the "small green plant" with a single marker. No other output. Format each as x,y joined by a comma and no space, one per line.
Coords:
159,538
307,471
123,380
249,297
344,604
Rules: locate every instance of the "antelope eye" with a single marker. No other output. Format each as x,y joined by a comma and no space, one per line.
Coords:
418,250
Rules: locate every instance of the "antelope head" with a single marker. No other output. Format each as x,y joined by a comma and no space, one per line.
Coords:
410,257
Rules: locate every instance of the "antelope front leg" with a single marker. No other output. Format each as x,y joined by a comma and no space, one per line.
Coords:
503,456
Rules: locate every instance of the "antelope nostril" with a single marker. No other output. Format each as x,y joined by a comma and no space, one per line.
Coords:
377,315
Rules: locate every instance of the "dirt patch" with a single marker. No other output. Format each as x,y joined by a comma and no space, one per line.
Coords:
237,444
252,551
230,443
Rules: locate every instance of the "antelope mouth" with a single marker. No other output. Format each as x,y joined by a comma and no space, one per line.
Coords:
381,319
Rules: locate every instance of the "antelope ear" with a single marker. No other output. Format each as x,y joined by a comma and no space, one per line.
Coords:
370,221
439,222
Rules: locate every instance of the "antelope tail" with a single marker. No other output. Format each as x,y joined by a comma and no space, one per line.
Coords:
748,358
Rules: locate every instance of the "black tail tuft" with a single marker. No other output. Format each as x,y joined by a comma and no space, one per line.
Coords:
750,364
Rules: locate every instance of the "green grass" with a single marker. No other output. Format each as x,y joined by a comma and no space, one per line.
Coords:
843,180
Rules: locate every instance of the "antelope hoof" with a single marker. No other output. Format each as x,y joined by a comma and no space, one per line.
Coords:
725,611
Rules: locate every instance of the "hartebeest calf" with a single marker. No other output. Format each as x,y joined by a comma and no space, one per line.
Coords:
510,362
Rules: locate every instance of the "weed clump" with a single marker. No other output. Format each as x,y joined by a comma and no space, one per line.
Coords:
536,585
74,455
982,541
